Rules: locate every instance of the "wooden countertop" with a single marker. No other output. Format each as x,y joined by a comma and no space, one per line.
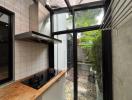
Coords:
19,91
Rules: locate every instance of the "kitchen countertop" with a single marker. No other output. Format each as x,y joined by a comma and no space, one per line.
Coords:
19,91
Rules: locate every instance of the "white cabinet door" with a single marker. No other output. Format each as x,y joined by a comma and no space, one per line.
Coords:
55,92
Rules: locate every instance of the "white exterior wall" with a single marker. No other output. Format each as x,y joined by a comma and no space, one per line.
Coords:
60,52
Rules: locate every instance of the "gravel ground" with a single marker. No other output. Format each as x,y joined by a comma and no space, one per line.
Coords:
86,89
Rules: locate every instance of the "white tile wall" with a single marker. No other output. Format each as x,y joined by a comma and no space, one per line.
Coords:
29,57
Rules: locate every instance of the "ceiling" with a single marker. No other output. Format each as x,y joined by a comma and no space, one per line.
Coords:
61,3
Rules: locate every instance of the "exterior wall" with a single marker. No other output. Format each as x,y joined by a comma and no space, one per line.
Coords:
30,57
60,51
122,60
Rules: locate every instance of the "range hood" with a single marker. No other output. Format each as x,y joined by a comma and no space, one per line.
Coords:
37,16
33,36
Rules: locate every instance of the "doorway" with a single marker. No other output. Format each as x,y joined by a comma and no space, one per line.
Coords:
6,46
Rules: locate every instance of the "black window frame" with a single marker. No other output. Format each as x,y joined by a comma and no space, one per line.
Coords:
106,44
11,44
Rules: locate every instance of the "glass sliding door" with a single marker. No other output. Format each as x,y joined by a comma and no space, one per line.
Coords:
63,58
89,55
90,83
84,80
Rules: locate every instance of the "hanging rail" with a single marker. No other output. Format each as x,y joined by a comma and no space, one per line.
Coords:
111,3
123,18
118,15
117,11
108,17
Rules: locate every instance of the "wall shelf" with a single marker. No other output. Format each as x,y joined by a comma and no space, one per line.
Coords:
33,36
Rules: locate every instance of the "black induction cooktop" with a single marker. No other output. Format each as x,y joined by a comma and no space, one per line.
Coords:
38,80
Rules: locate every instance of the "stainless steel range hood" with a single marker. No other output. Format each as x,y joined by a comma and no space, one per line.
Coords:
38,15
36,37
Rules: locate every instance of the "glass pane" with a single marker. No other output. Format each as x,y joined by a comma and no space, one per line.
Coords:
83,18
69,51
44,27
62,22
90,85
56,3
64,61
69,77
77,2
4,45
44,20
89,17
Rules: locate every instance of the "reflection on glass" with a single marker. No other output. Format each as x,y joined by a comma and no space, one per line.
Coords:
54,4
83,18
63,60
89,17
69,87
78,2
4,30
69,51
90,85
44,26
62,22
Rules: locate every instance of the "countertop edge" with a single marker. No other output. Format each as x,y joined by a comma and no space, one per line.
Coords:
50,83
17,90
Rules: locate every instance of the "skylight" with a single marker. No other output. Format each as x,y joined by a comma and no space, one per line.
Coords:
61,3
